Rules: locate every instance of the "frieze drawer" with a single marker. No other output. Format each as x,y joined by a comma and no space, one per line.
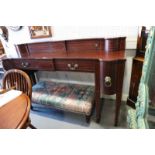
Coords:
32,64
75,65
90,45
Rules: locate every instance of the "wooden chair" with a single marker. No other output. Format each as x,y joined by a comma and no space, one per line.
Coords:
10,117
18,80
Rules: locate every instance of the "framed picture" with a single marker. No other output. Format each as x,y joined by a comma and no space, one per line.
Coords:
40,31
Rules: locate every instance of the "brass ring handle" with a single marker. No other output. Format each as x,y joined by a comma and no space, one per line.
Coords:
72,67
107,81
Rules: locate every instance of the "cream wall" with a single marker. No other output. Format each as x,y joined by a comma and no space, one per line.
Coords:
77,32
72,32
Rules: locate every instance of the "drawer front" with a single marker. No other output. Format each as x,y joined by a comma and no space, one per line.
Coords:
28,64
108,77
83,45
75,65
47,47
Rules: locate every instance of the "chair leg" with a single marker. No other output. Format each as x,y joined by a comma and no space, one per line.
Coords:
32,108
32,127
29,124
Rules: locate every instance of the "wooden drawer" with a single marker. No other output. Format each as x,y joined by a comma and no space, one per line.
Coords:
83,45
108,76
47,47
75,65
32,64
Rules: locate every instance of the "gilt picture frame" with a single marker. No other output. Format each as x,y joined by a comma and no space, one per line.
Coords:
40,32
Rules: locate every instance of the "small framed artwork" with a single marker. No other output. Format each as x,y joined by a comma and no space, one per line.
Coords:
40,31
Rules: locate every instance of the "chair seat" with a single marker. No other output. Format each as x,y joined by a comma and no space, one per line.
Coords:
69,97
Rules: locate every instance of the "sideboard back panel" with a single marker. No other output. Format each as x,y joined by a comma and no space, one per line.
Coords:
71,46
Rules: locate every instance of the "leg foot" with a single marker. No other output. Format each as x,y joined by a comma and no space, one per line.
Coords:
98,120
88,118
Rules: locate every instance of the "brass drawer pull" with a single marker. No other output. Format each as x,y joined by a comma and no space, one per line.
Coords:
72,67
107,81
25,64
96,45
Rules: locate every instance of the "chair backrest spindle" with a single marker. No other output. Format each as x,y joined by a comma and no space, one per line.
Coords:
18,80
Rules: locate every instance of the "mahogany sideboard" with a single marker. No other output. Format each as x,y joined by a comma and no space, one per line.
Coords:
103,57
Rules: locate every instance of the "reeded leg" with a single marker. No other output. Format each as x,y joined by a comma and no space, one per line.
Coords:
117,109
98,110
120,76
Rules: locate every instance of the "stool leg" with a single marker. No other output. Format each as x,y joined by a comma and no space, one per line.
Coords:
88,118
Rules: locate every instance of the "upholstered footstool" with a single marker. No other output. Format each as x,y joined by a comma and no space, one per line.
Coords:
75,98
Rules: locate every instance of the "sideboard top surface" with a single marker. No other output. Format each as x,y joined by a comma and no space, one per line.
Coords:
119,55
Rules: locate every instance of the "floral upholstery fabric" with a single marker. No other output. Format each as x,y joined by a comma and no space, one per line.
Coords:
69,97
